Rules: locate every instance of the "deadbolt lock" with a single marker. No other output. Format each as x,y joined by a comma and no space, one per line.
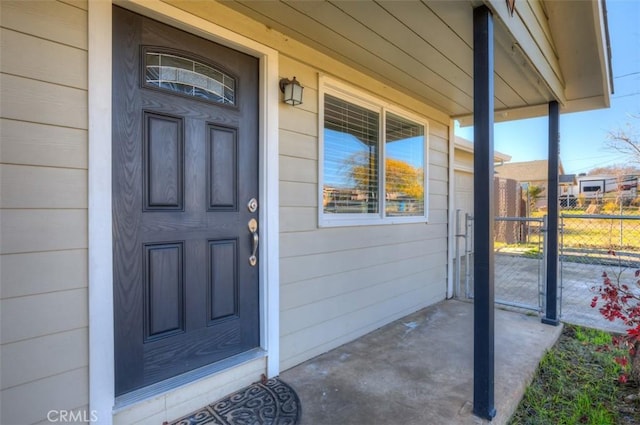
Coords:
252,205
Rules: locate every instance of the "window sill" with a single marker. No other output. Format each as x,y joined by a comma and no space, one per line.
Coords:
330,221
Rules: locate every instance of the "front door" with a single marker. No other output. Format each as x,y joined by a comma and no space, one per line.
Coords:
185,172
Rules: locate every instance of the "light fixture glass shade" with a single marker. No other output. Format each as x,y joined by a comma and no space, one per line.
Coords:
292,92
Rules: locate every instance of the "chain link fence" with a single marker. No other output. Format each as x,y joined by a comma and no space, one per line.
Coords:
610,203
518,261
519,246
587,246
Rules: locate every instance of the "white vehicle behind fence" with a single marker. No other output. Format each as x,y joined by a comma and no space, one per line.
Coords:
599,188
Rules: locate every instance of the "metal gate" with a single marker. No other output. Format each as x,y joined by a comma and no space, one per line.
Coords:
519,247
587,243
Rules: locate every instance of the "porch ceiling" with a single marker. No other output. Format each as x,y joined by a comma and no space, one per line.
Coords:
546,51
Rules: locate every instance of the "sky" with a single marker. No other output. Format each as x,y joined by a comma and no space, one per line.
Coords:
583,135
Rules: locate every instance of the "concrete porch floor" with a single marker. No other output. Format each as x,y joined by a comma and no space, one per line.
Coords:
419,370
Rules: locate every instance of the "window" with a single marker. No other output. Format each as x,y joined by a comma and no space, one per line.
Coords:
350,161
404,167
373,161
189,77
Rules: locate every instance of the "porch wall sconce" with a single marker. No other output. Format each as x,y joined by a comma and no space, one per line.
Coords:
292,91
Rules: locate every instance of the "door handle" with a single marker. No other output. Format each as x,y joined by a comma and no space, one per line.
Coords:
253,228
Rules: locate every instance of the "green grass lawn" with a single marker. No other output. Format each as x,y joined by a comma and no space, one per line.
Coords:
590,233
601,233
577,383
632,211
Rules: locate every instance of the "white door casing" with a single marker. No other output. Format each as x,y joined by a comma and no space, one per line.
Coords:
101,343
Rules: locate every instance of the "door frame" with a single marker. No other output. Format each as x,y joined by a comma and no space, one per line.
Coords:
100,255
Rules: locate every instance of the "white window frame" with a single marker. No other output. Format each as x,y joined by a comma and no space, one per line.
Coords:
328,85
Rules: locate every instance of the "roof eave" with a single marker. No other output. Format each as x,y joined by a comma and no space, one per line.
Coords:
589,46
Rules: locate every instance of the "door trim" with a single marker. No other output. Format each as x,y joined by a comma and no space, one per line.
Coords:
451,232
101,340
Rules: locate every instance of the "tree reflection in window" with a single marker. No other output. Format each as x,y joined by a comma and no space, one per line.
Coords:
404,167
352,157
351,149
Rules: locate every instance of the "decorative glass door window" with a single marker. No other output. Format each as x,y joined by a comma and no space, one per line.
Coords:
189,77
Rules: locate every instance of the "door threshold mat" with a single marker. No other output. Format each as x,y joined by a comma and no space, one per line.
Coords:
270,402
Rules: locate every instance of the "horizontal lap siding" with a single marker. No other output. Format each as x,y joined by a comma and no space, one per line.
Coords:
43,181
331,292
338,283
463,183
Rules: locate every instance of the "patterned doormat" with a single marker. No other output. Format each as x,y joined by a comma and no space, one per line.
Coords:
270,402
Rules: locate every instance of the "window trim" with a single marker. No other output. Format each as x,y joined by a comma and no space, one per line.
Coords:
328,85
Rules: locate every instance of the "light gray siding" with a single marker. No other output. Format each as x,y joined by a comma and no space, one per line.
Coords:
43,173
338,283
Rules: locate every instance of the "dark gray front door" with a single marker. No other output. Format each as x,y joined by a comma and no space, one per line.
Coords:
185,166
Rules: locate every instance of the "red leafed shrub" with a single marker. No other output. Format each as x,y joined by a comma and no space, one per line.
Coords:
620,301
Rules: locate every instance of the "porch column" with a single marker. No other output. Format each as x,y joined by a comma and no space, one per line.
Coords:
483,306
551,313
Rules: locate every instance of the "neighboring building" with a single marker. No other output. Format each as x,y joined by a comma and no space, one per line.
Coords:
530,173
507,192
463,174
167,229
566,183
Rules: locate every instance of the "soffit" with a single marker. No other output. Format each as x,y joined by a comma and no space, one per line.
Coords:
425,48
585,54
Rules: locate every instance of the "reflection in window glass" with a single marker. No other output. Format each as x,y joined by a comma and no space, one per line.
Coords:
350,163
186,76
404,167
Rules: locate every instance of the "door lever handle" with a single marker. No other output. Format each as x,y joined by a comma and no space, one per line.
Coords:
253,228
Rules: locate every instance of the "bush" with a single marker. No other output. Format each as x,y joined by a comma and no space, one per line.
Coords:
621,301
610,207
